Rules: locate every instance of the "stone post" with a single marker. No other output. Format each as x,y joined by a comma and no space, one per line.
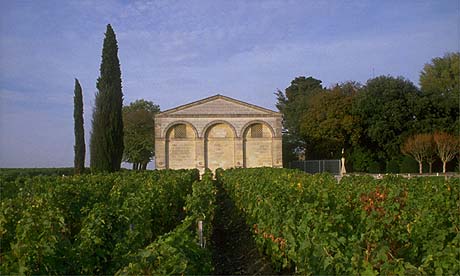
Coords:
343,171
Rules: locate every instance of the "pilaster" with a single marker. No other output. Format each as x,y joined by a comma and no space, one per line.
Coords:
160,152
239,152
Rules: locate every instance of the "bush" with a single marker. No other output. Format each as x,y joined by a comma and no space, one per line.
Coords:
361,160
409,165
392,166
374,167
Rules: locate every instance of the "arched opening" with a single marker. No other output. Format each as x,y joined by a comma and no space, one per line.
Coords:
257,146
180,147
219,149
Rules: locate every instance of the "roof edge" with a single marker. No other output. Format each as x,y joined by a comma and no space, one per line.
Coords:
214,97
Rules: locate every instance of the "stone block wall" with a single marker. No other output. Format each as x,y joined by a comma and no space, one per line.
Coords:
218,136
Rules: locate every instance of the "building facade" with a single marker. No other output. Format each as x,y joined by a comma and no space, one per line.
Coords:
217,132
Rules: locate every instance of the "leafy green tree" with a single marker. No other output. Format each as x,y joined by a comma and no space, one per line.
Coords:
329,120
289,149
107,130
438,108
79,148
442,75
386,108
139,135
294,102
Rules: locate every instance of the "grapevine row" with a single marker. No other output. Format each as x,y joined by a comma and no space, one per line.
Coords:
179,252
314,225
87,224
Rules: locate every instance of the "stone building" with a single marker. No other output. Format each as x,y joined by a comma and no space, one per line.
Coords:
217,132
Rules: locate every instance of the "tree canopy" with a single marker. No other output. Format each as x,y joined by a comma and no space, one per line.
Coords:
442,76
371,121
292,103
438,109
386,109
295,101
139,133
329,121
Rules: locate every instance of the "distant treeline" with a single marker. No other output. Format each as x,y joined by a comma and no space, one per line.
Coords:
9,174
371,121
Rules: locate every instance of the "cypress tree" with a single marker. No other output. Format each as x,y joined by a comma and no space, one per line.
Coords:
107,130
79,148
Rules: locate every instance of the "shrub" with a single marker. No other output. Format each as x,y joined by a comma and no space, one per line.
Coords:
374,167
360,160
392,166
409,165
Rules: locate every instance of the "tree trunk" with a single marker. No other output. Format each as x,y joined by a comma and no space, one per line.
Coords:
420,166
444,167
431,167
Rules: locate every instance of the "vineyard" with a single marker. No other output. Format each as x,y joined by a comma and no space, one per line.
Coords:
312,225
170,222
121,223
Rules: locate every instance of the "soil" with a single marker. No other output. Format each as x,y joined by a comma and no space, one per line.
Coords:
234,249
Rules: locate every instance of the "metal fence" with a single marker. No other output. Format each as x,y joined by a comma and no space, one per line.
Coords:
317,166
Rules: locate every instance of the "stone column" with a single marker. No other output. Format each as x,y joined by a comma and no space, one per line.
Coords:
277,152
160,145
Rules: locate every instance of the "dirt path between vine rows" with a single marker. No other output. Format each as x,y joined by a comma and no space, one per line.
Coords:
234,249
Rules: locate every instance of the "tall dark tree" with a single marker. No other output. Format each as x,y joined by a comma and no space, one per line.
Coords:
294,102
107,130
79,148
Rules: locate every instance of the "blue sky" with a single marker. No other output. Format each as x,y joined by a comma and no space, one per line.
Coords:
174,52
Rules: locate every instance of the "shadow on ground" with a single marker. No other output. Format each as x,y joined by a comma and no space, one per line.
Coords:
234,249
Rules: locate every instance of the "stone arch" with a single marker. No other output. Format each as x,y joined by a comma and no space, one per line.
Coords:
168,127
180,142
247,125
215,122
219,145
257,150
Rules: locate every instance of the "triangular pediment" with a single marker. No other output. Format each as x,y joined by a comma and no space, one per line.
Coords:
218,105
